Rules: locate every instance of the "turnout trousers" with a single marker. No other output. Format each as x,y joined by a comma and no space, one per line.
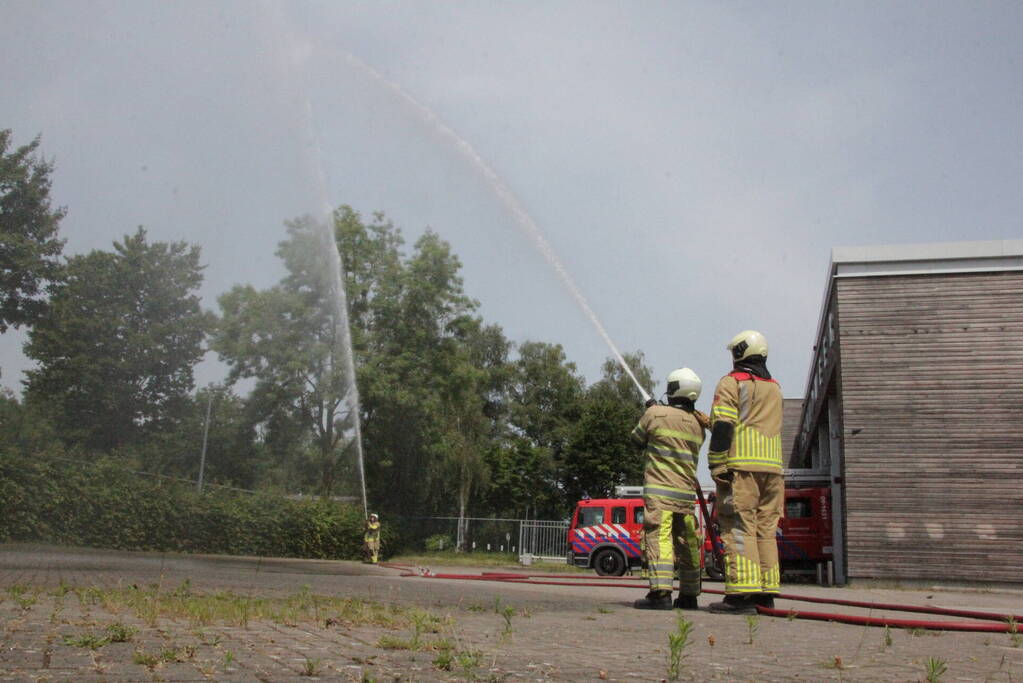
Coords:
672,537
749,508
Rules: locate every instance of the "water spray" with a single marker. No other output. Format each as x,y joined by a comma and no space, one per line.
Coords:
340,299
508,198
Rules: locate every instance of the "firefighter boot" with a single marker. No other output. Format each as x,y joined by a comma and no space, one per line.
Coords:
654,600
764,600
685,602
734,604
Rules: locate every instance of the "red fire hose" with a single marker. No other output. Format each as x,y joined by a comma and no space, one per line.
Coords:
1008,622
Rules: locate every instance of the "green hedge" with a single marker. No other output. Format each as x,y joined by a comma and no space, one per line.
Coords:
104,505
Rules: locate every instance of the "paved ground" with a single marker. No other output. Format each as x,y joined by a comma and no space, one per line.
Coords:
56,604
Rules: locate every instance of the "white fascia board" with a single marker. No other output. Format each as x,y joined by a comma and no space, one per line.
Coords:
921,259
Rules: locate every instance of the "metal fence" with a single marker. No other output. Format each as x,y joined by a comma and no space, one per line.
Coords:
541,539
527,539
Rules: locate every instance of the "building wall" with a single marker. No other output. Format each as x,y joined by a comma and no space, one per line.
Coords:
792,411
932,407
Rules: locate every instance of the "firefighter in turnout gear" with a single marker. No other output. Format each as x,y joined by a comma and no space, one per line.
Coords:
672,436
371,539
746,463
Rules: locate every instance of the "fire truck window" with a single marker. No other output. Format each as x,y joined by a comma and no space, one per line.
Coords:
591,516
618,515
796,508
638,515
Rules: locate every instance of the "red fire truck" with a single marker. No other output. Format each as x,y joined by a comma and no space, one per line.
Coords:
604,534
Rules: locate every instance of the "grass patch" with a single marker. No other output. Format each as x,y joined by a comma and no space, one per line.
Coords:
227,608
484,559
116,633
87,640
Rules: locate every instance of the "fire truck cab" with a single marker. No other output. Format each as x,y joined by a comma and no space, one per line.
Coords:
605,533
804,533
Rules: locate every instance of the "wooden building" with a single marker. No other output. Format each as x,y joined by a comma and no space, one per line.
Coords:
914,410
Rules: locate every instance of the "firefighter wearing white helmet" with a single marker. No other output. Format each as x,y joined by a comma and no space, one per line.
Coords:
672,436
746,463
371,539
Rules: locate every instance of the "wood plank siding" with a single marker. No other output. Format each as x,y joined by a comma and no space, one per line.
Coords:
792,410
932,377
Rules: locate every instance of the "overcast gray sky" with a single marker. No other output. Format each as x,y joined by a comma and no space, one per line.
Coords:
691,163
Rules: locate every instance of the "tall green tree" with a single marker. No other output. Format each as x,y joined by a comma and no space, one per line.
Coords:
29,247
117,351
287,339
544,399
426,386
600,454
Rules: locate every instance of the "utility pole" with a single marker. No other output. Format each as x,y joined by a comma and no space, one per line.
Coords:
205,436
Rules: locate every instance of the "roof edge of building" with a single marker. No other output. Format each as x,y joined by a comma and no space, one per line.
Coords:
938,254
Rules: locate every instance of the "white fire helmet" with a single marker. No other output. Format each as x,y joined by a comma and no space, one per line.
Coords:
684,383
748,343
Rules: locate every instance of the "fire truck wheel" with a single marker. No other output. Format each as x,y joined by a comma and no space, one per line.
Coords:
609,562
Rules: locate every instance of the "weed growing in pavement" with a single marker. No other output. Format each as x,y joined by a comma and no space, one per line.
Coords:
444,660
677,643
835,663
441,645
311,667
86,640
605,610
476,607
1014,636
469,659
145,659
393,643
168,654
25,601
934,669
886,638
228,659
507,613
423,622
791,616
119,633
752,626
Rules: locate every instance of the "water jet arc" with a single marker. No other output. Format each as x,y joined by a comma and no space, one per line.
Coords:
508,198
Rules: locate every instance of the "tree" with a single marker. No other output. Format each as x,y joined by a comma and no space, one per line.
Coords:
116,352
430,374
29,247
287,339
600,454
544,403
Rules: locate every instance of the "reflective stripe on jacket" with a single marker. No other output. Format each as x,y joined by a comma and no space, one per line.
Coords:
672,438
754,406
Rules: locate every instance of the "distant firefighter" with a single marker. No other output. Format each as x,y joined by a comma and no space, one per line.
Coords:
371,539
746,464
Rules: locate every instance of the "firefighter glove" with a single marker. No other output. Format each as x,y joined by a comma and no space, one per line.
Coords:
650,402
722,475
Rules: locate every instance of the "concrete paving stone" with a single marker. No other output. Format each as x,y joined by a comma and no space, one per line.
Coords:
566,638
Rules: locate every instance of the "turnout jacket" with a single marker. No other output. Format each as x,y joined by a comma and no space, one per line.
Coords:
672,438
753,407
